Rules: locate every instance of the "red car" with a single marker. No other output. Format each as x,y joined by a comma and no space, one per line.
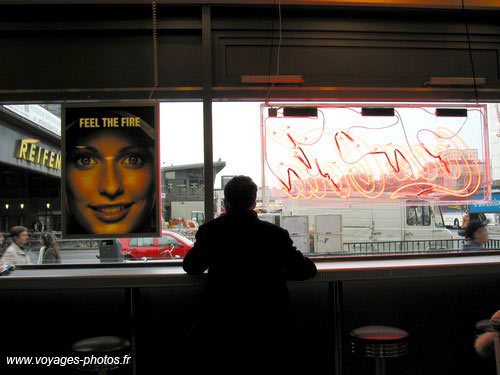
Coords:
170,245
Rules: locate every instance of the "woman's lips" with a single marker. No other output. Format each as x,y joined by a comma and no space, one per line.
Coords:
111,213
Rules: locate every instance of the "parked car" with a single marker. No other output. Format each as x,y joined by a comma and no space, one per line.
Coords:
170,245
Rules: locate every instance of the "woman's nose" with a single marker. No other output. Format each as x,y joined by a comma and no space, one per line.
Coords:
110,185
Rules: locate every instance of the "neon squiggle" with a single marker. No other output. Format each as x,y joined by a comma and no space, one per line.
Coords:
355,168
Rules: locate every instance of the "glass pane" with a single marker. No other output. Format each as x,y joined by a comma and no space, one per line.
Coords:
146,242
411,216
167,241
182,168
300,169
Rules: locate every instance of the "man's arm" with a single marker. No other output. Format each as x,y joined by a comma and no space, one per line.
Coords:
196,260
296,265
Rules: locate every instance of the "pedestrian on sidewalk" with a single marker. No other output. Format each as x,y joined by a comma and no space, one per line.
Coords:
17,253
49,252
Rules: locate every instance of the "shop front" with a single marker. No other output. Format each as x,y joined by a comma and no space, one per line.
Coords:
30,169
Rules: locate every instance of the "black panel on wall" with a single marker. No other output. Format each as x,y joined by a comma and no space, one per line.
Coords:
75,60
84,47
180,59
68,48
329,61
338,47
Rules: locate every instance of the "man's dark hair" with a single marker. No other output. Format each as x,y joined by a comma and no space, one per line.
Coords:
473,227
17,230
240,192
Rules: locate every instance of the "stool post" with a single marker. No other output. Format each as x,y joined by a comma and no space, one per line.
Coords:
380,366
496,343
131,296
335,309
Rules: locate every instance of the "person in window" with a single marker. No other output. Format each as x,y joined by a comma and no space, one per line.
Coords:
412,216
16,253
109,177
245,320
49,251
2,241
476,234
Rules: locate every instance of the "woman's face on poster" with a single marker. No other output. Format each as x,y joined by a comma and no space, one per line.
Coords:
110,185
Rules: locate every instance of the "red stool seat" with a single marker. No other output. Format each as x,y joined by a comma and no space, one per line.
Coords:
379,342
379,334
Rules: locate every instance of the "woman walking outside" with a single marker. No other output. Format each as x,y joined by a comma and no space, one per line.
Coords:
49,251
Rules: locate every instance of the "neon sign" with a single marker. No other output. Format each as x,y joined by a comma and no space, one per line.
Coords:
341,156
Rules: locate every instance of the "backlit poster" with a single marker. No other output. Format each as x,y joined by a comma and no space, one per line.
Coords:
110,179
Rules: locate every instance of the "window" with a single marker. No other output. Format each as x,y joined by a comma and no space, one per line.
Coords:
418,215
239,150
167,241
182,165
381,158
148,241
438,217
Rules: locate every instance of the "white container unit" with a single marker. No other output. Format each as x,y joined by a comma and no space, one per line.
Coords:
270,218
328,233
298,228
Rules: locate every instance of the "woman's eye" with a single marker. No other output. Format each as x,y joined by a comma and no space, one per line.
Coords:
85,162
133,161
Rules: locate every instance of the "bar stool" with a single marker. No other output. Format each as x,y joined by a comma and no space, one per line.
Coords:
379,342
483,326
102,351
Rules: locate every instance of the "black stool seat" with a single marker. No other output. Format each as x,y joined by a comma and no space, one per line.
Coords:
100,344
484,326
103,350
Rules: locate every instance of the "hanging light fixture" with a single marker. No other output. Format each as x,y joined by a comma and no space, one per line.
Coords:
7,206
22,206
48,206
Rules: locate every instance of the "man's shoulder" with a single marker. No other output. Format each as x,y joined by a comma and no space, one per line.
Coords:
224,220
11,249
10,252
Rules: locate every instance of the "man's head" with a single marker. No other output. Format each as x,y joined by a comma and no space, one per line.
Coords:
240,192
476,230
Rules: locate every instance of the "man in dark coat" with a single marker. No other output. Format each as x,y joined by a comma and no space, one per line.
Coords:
244,323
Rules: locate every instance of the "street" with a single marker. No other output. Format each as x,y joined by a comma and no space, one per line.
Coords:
89,256
72,256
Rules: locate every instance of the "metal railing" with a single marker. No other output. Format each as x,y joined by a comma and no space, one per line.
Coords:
410,246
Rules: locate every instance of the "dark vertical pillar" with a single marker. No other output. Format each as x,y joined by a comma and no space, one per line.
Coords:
207,112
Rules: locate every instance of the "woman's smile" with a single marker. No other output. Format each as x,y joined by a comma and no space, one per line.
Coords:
110,213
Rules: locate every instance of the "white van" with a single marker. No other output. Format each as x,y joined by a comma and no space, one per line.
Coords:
407,221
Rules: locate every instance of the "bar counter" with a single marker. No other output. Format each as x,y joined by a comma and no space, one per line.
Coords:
330,269
414,292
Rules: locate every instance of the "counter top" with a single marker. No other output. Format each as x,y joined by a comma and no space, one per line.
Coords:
172,274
